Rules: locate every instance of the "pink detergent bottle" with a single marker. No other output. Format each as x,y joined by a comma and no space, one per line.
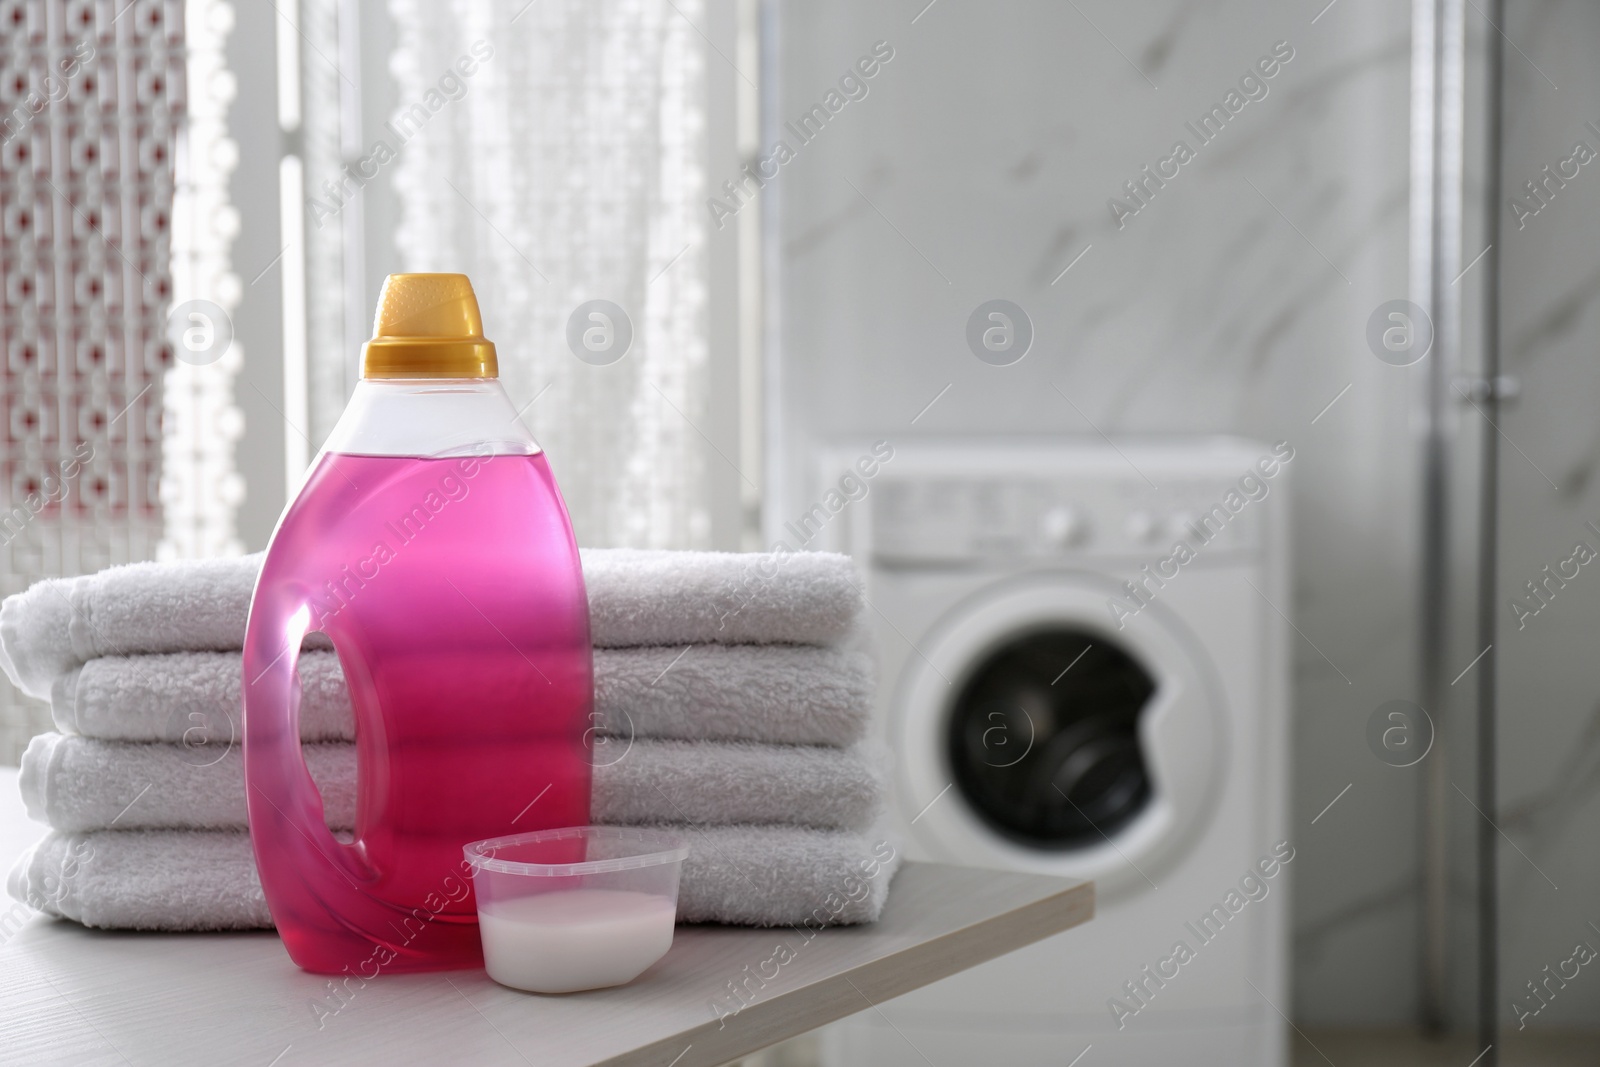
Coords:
431,545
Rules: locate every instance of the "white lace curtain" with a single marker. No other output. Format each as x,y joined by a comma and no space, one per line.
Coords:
568,167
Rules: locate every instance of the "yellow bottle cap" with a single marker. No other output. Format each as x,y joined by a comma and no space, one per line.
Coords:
428,326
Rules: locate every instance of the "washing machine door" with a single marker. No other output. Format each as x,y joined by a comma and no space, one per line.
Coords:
1057,742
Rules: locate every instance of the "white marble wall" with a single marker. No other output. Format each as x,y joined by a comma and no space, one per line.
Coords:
979,165
1550,675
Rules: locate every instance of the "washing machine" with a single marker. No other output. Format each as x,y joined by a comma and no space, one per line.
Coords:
1084,673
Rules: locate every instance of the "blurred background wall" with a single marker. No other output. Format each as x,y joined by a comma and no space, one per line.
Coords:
979,166
1550,715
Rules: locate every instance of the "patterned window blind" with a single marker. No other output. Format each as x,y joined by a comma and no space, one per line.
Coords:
92,99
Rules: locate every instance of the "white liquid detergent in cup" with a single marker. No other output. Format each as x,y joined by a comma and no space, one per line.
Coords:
583,907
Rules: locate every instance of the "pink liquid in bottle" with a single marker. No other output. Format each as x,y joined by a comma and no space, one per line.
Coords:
452,591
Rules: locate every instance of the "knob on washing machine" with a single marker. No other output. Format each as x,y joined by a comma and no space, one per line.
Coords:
1181,525
1063,526
1141,526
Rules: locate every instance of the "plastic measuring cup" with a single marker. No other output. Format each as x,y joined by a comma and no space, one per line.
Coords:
582,907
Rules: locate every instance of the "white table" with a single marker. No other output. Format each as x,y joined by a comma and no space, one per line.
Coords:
73,995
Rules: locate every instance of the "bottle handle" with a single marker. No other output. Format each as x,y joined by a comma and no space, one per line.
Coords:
285,806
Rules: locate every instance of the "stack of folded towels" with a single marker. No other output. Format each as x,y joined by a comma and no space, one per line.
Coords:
732,692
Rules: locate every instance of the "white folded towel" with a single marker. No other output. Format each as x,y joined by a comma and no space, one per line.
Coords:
80,784
199,880
781,694
636,597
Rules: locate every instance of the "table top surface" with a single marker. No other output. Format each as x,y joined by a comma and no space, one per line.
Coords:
70,994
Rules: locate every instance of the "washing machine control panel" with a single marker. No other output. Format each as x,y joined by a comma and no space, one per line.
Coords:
950,519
